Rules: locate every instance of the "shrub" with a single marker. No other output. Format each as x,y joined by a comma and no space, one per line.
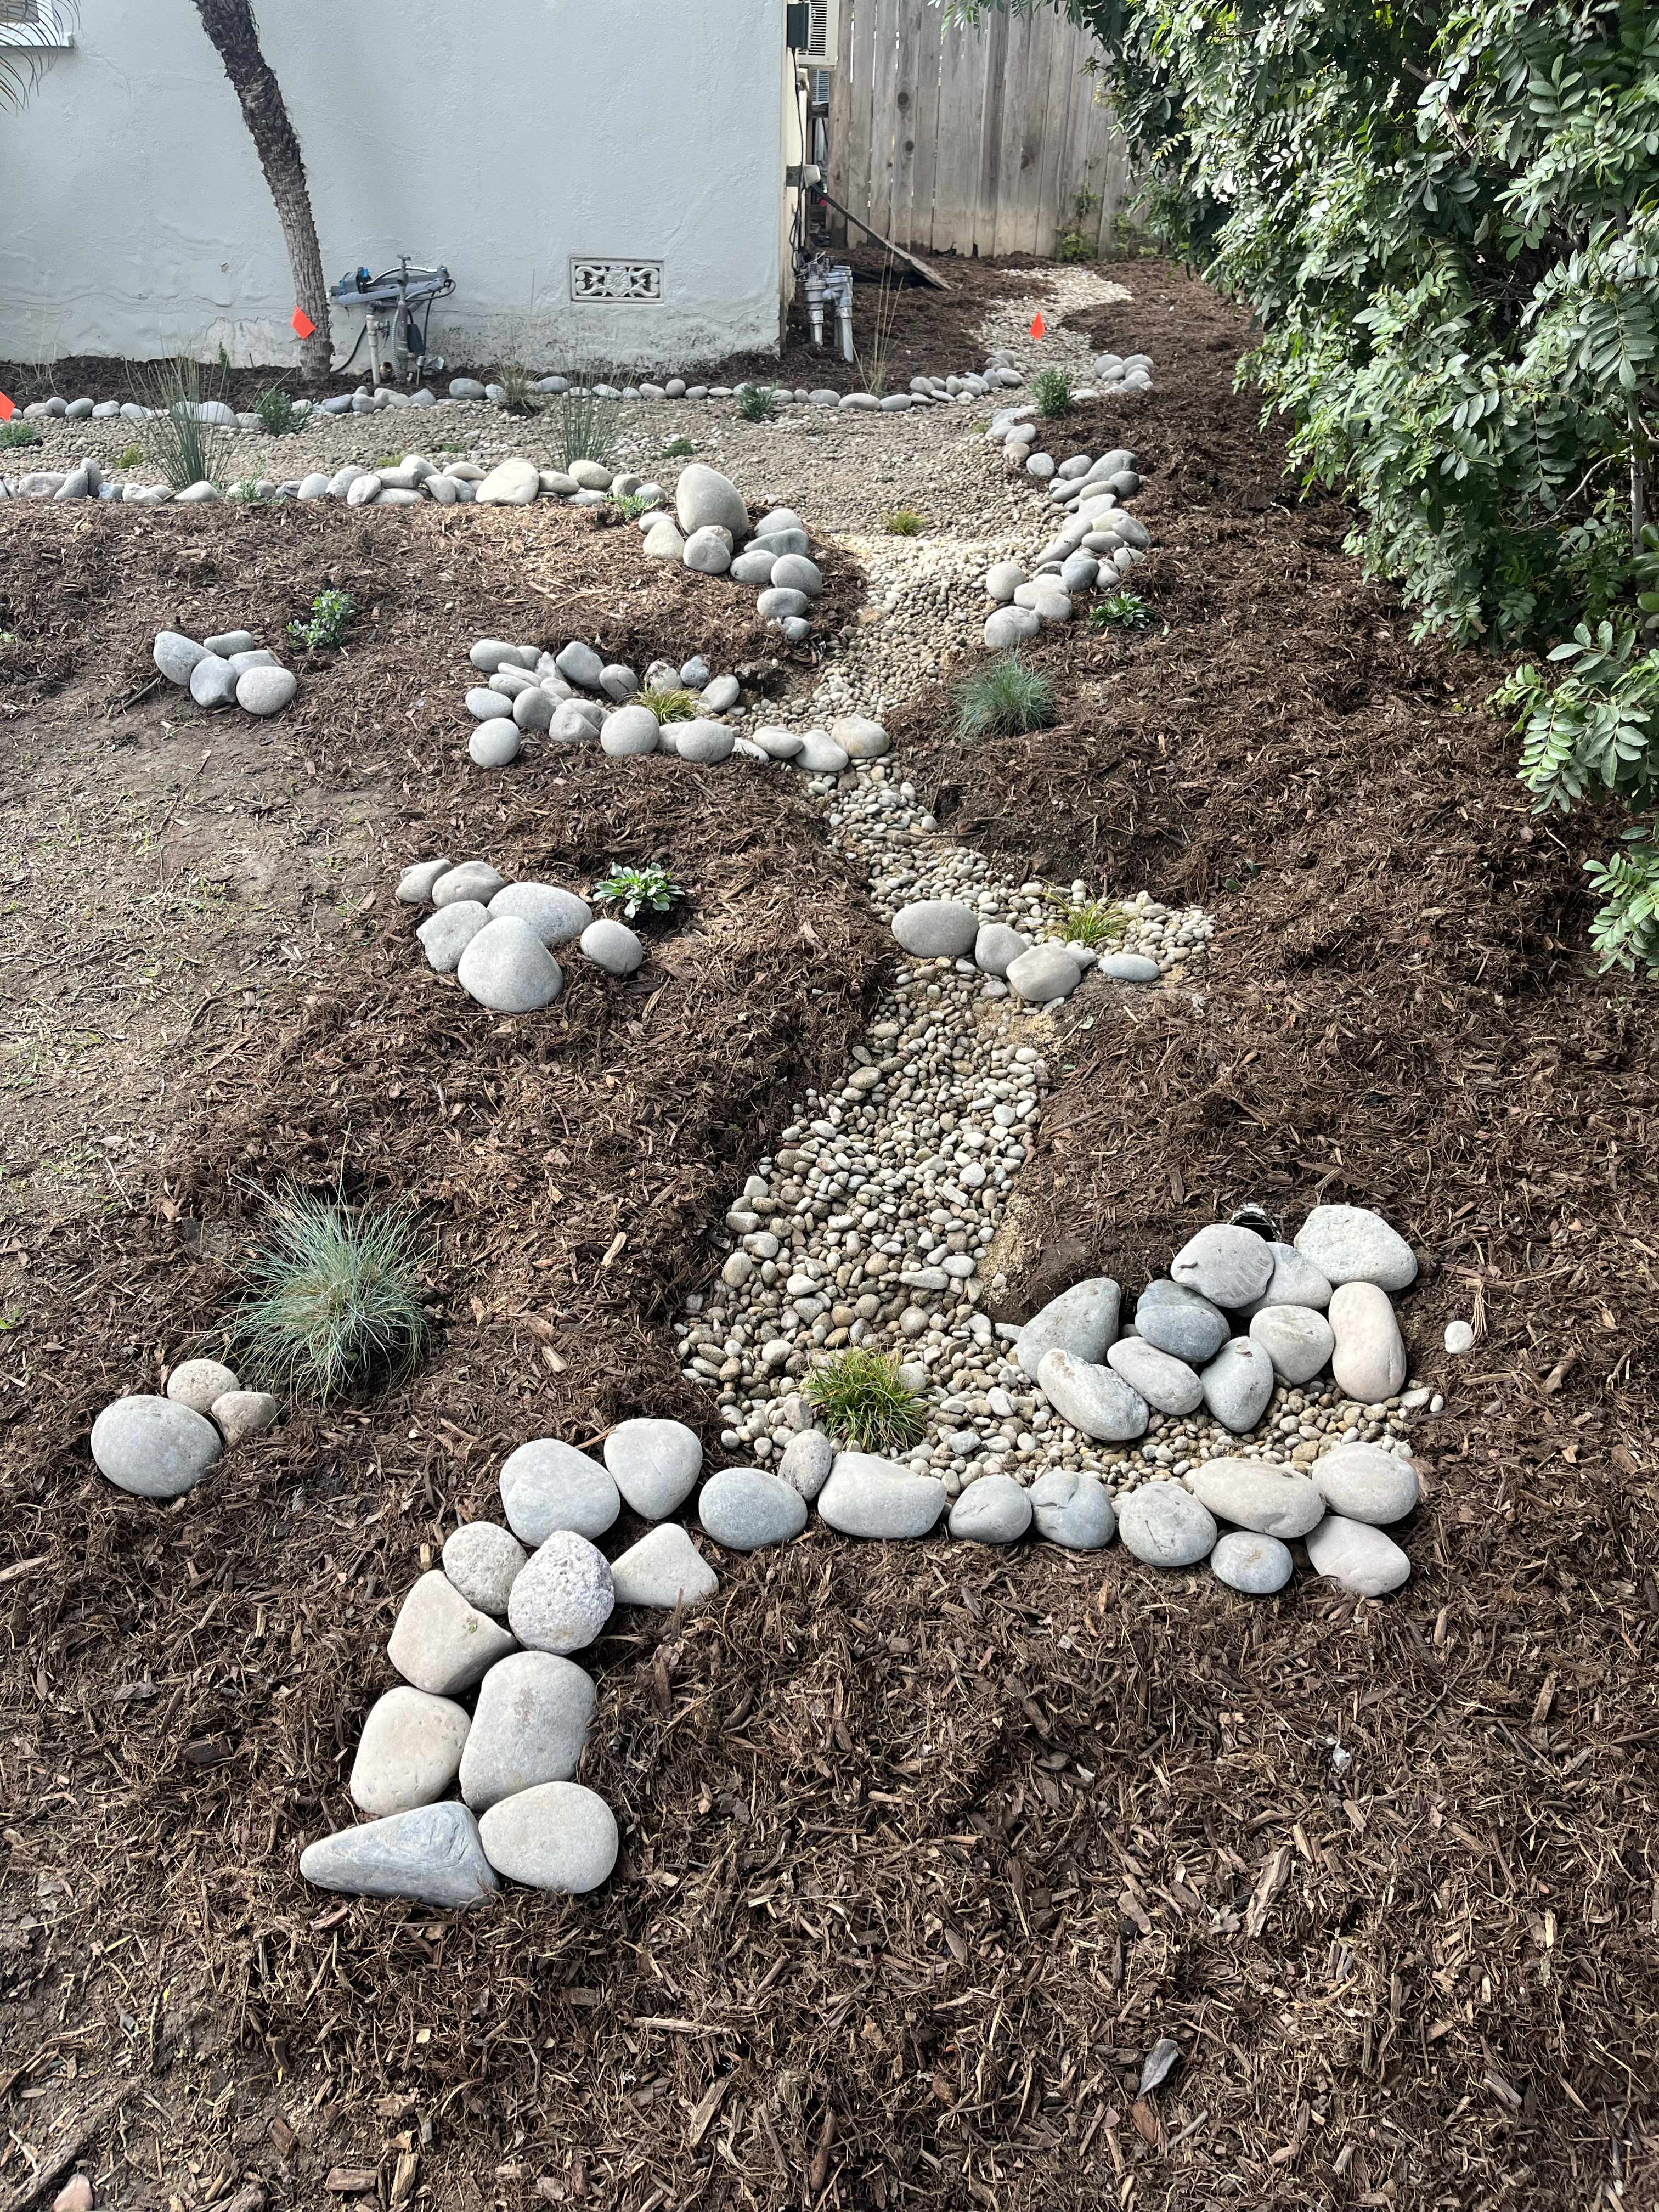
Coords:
20,434
332,1305
279,417
670,706
631,889
179,443
1051,388
330,619
905,522
758,403
1004,700
1072,242
588,420
1120,610
631,506
863,1403
679,449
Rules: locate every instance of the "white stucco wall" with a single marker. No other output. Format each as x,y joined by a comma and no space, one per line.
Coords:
499,138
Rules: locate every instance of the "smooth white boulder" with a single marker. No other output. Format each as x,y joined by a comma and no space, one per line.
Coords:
432,1855
409,1752
1368,1361
1363,1482
530,1726
154,1448
1357,1557
558,1836
868,1496
1258,1494
664,1569
1352,1244
440,1642
1082,1321
508,968
1094,1400
546,1485
655,1464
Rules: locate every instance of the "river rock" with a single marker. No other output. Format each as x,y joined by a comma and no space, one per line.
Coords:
747,1510
414,883
655,1464
509,483
1227,1265
1352,1244
1082,1321
241,1414
484,1562
613,946
1257,1494
564,1596
1294,1282
1363,1482
176,655
154,1447
446,934
820,755
1073,1509
1181,1322
1165,1525
997,946
994,1509
1168,1384
265,691
495,743
1357,1557
806,1461
1002,580
409,1752
703,743
558,1836
629,730
432,1855
529,1727
472,880
1297,1339
1091,1398
1046,972
1368,1362
709,552
533,708
1459,1338
555,915
579,663
859,737
1128,968
508,968
936,929
663,542
442,1644
547,1485
664,1569
212,682
1009,627
703,498
197,1383
1238,1383
229,642
774,605
866,1496
1258,1566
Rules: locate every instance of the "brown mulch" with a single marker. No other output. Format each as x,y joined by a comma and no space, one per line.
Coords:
924,1850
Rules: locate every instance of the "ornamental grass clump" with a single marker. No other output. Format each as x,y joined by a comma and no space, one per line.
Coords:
673,706
333,1298
758,403
905,522
863,1403
1004,700
186,450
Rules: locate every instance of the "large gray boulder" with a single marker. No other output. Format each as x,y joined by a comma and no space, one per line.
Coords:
866,1496
558,1836
508,968
1082,1321
704,499
530,1726
655,1464
409,1751
546,1485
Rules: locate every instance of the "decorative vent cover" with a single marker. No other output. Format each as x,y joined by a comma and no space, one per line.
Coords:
615,280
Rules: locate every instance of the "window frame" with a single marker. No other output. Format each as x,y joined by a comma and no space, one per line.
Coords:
50,31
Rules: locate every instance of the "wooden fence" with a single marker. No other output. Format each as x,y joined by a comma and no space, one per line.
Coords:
970,141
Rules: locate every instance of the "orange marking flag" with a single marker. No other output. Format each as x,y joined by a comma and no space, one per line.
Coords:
1039,328
8,407
302,323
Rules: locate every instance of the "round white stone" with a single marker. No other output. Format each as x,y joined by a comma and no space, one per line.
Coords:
546,1485
1257,1494
529,1727
197,1383
484,1562
153,1447
993,1511
1363,1482
664,1569
1165,1525
1352,1244
508,968
558,1836
655,1464
746,1510
409,1753
564,1596
1255,1565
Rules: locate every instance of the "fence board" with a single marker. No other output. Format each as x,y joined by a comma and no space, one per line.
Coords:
972,142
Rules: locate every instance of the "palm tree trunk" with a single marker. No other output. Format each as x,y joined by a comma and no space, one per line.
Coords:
235,36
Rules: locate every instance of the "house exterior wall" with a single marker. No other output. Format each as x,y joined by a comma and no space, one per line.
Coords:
499,139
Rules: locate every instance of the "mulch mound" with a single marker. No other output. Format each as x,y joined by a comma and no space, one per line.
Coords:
924,1851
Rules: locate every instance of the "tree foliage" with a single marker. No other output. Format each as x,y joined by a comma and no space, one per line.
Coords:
1446,220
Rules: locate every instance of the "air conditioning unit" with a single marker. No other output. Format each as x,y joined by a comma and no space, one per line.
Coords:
821,38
